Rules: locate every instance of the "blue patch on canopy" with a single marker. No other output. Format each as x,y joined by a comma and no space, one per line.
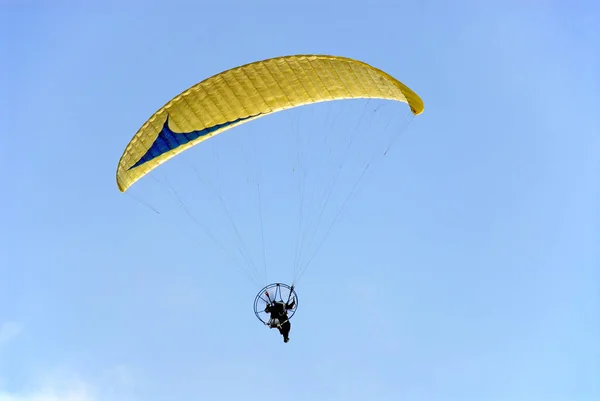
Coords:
168,140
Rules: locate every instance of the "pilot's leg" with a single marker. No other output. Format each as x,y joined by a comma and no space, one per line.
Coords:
284,329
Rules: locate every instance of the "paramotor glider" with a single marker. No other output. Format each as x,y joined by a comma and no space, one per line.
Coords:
242,94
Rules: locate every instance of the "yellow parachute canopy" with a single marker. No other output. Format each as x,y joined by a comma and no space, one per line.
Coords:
244,93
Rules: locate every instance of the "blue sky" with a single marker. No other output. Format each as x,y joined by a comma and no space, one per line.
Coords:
466,268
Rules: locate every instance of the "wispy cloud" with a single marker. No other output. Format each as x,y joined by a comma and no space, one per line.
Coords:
72,391
8,332
114,384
